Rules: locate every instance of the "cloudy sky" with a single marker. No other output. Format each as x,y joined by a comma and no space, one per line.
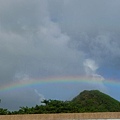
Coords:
55,39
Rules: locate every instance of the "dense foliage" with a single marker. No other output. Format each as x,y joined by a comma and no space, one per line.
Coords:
51,106
96,101
86,101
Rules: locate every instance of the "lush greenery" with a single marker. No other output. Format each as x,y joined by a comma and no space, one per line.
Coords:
96,101
86,101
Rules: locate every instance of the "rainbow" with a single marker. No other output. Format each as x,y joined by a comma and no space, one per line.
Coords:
50,80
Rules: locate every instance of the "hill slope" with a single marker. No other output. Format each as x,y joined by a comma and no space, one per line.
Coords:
96,101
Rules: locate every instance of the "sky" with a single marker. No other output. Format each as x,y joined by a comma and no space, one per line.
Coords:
55,49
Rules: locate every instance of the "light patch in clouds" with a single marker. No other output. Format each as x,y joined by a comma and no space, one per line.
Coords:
90,66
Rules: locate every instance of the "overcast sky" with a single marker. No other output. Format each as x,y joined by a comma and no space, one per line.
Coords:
58,38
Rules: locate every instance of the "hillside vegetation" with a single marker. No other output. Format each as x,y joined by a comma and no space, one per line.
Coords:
96,101
86,101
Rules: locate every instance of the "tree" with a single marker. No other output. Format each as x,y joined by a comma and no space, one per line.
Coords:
4,111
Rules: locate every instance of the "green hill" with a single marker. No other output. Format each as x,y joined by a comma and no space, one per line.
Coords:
96,101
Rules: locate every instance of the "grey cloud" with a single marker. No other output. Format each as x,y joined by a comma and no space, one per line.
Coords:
31,39
103,47
93,27
23,15
85,15
30,43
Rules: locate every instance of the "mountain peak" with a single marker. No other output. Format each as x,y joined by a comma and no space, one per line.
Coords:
94,100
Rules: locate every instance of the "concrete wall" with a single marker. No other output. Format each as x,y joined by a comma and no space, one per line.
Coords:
68,116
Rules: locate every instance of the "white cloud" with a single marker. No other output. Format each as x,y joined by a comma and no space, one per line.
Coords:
41,97
97,81
90,66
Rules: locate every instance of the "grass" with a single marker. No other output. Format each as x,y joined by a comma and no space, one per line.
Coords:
68,116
